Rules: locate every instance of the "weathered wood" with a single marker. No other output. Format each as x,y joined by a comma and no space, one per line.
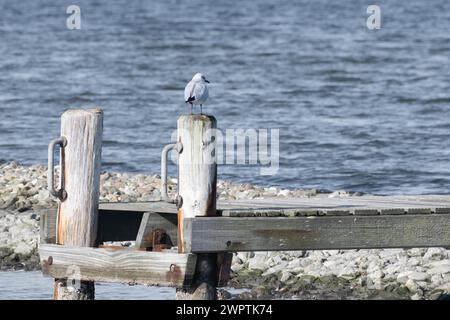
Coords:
81,160
224,260
150,206
120,221
152,221
318,233
317,205
115,225
80,166
197,174
124,266
197,169
47,225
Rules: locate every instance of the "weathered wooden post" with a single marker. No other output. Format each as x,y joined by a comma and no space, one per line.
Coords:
80,176
197,189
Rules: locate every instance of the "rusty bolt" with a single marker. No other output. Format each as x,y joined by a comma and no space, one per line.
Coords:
62,195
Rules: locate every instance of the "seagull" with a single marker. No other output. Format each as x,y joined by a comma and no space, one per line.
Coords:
196,91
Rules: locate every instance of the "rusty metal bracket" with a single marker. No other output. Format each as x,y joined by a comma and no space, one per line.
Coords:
60,194
159,240
178,147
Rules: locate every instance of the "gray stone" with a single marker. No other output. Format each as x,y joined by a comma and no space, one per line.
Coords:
259,261
435,254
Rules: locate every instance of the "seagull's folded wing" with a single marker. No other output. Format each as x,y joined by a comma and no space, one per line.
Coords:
188,91
200,91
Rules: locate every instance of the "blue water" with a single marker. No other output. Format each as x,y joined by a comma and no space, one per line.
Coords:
19,285
357,109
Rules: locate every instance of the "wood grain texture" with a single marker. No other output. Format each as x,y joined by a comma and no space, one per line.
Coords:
150,206
197,174
81,161
197,165
80,164
47,225
318,205
123,266
319,233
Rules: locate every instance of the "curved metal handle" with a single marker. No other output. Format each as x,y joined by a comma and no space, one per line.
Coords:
60,194
164,196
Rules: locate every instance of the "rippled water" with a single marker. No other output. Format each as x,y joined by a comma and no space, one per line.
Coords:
357,109
20,285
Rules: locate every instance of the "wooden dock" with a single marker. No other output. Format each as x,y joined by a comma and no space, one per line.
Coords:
187,242
284,224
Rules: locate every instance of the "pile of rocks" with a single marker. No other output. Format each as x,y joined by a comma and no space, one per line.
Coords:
19,236
388,273
328,274
25,187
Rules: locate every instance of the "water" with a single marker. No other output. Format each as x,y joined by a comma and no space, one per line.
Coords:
357,109
21,285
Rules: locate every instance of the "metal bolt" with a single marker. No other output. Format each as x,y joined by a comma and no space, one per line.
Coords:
179,201
62,195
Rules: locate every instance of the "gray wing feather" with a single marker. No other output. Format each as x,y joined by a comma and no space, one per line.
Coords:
200,92
188,90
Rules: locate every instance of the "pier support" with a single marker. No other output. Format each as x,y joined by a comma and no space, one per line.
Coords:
80,176
197,188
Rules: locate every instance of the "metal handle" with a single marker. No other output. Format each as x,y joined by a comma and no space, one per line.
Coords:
164,196
60,194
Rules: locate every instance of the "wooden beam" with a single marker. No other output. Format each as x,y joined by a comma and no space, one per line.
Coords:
197,174
81,159
221,234
150,206
80,178
47,225
123,266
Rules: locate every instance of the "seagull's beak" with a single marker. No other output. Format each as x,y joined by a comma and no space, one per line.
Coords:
206,81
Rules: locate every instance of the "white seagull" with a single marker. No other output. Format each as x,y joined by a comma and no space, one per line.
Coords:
196,91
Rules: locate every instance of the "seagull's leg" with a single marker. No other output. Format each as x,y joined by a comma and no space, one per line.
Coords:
191,107
201,110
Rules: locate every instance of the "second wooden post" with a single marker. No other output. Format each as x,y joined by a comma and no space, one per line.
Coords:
197,188
78,212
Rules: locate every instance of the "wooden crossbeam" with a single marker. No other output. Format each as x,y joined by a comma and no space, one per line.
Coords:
124,266
316,232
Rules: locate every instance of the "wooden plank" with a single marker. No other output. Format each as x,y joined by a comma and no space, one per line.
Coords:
47,225
355,205
224,261
123,266
311,233
152,221
151,206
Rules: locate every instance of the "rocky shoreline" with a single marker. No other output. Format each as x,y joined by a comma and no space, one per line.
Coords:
328,274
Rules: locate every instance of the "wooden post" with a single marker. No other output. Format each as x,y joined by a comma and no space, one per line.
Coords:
78,213
197,188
